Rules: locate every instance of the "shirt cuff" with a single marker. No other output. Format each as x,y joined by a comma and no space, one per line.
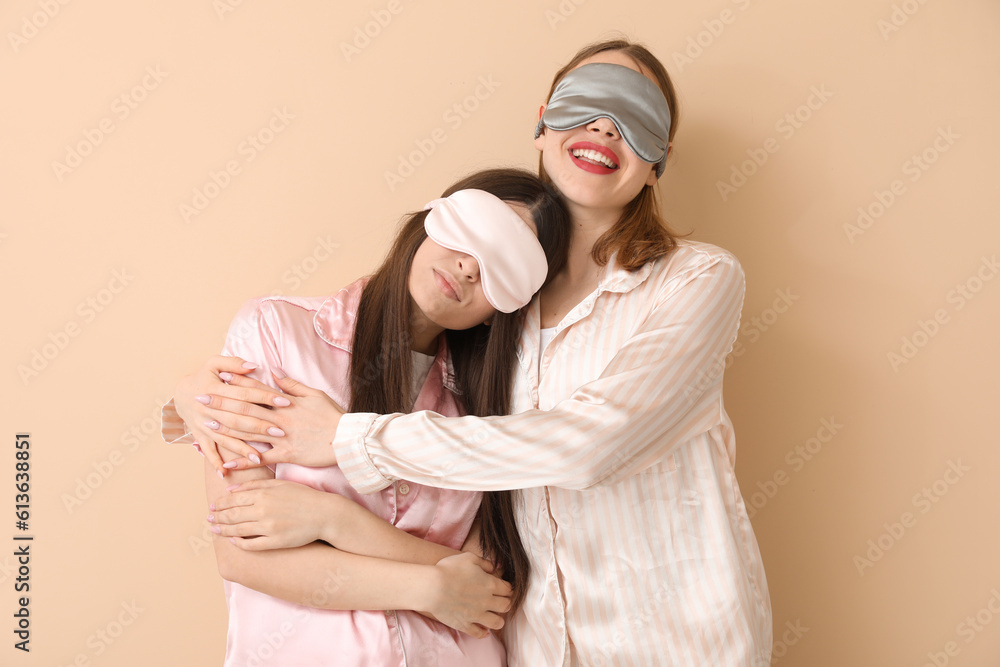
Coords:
352,455
173,430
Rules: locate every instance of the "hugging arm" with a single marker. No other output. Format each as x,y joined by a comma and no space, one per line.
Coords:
662,388
456,590
251,347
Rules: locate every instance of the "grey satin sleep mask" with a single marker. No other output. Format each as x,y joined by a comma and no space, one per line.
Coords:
632,102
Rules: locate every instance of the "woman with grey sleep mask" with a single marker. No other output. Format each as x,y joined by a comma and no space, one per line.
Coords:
632,102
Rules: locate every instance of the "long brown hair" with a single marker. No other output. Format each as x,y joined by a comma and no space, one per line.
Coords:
483,358
640,235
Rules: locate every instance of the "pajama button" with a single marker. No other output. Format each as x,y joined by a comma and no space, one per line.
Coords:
404,488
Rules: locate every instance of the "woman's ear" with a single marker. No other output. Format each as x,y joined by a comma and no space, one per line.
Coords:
540,139
652,178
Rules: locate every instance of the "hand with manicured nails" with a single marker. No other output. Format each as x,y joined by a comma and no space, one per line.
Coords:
239,410
222,377
272,514
300,433
460,591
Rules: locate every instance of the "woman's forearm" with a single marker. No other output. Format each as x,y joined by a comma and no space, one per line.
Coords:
354,529
662,388
320,576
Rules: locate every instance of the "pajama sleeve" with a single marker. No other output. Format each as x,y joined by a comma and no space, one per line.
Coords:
662,388
250,339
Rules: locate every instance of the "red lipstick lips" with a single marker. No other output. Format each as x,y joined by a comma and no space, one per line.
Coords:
594,167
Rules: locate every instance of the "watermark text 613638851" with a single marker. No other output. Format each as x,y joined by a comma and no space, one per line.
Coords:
22,542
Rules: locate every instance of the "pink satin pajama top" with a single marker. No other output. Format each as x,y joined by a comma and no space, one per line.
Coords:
310,340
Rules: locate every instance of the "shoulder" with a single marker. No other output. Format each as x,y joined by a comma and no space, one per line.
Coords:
695,257
269,306
331,318
694,254
694,262
274,313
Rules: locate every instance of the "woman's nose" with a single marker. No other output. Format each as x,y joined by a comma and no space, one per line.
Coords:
469,267
603,126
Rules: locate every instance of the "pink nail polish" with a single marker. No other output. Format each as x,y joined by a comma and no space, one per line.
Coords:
221,476
278,373
225,376
216,529
212,424
211,507
281,401
231,487
233,540
211,518
275,431
254,458
229,465
250,365
203,399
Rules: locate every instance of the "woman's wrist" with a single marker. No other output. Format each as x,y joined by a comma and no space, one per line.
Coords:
425,589
331,529
335,416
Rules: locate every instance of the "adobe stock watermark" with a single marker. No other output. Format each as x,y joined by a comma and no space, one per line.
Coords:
87,311
101,471
751,330
223,7
562,12
202,541
584,335
8,568
967,629
793,633
914,167
246,152
99,641
640,619
923,501
454,116
713,28
269,645
294,277
303,269
121,108
786,127
370,30
898,17
796,459
32,24
927,329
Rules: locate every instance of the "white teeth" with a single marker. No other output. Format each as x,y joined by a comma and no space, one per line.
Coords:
594,156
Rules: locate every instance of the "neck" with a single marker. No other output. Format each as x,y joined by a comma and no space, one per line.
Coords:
587,226
423,333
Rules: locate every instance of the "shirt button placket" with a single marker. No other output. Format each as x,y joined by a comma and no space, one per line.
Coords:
390,500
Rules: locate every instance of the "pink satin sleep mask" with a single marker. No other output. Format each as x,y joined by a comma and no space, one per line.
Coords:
512,264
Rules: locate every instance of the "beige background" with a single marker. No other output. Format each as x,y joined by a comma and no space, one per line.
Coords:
119,516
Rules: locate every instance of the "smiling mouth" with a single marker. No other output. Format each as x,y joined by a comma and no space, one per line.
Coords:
447,285
593,157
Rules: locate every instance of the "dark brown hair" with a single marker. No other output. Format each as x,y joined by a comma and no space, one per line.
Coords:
640,235
483,358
